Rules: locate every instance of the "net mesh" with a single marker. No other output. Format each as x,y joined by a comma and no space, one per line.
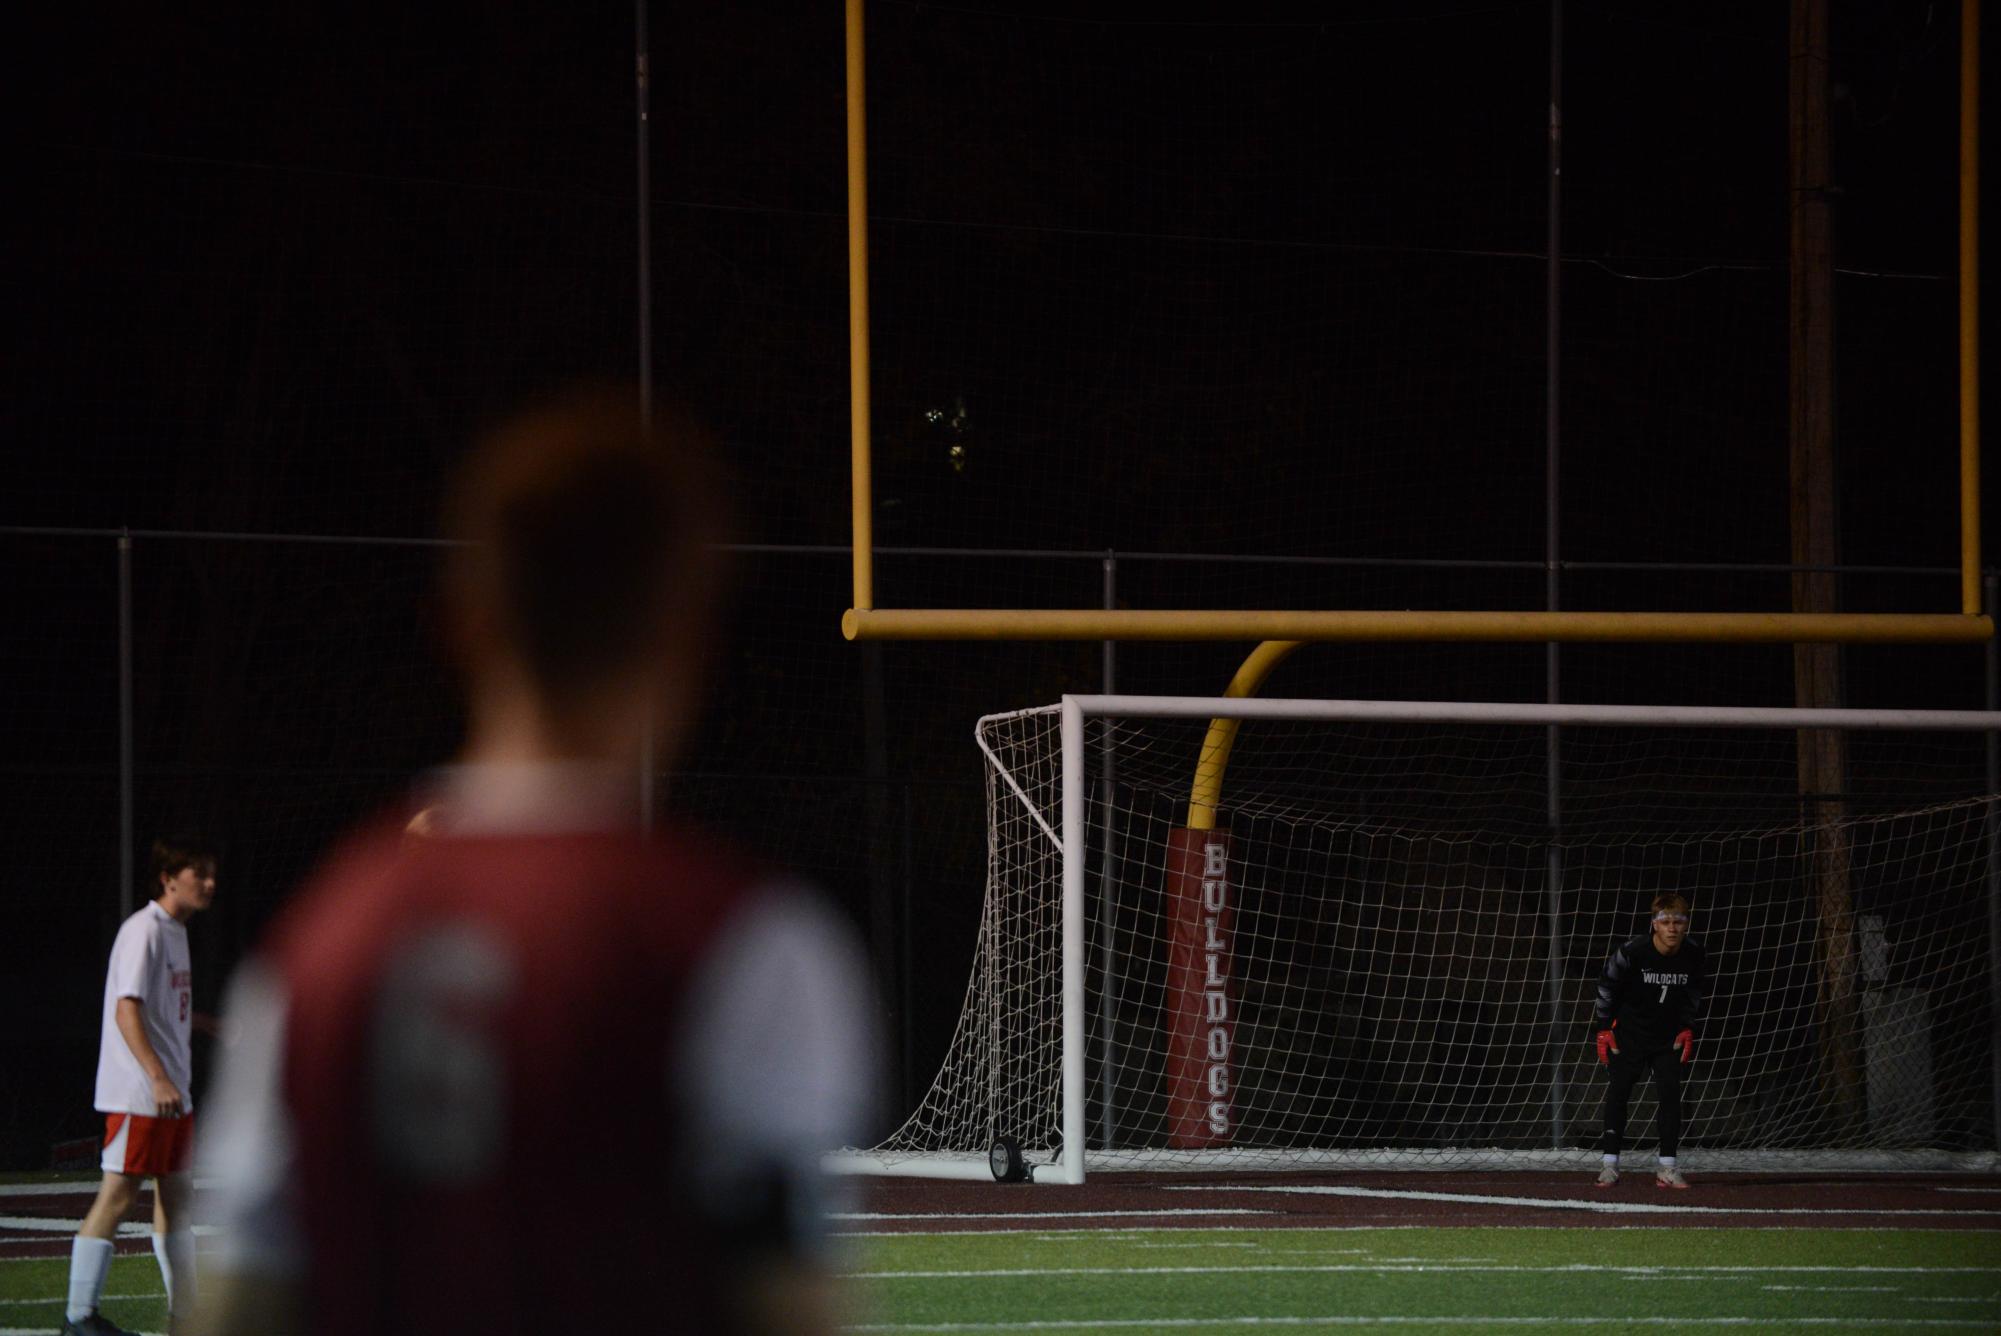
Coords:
1401,984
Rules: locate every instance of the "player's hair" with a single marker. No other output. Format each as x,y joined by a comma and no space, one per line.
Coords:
171,853
589,539
1670,902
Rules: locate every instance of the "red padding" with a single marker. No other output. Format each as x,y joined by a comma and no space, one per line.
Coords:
1200,1010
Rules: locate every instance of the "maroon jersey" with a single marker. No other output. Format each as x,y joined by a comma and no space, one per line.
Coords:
478,1078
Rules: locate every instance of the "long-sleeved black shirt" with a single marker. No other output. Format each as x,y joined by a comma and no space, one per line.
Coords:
1652,996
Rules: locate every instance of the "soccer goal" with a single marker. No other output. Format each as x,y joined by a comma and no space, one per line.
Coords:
1382,949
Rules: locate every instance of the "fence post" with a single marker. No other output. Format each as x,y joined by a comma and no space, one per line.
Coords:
642,76
906,1001
1991,589
1559,1042
1107,887
127,887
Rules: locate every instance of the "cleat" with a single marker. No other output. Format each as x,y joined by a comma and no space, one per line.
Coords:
1669,1178
95,1325
1607,1176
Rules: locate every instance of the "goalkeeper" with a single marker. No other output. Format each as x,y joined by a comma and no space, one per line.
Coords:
1649,1003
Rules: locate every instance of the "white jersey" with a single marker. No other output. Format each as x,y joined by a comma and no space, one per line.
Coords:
150,962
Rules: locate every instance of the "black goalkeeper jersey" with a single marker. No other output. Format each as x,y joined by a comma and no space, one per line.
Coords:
1652,996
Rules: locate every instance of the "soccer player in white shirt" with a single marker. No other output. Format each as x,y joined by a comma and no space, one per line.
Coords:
143,1088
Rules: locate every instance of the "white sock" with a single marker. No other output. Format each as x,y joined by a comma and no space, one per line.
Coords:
1667,1161
1611,1161
176,1251
89,1260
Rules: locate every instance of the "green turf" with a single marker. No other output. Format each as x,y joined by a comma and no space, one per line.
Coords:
1519,1280
32,1293
1433,1279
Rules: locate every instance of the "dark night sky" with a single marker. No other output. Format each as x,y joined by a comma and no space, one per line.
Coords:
1245,278
310,249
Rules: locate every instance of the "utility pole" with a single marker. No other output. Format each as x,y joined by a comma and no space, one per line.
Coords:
1816,541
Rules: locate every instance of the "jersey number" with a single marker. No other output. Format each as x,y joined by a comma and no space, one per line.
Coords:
1664,989
438,1094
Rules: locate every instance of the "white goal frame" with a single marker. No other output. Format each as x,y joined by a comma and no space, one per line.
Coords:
1069,1167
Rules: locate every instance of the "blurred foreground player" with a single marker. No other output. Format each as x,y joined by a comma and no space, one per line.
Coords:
145,1088
517,1067
1649,1003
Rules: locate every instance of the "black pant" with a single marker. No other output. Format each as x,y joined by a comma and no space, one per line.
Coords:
1625,1071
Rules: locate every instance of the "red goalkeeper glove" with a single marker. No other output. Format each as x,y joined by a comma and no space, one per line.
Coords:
1608,1044
1685,1041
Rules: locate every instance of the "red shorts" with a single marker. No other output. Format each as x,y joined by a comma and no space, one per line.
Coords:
148,1147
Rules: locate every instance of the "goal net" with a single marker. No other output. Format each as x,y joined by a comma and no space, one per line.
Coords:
1384,951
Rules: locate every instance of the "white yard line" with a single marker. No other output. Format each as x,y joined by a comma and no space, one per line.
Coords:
49,1224
1037,1215
1950,1298
1563,1203
1456,1320
57,1298
1838,1289
1381,1228
86,1187
1645,1272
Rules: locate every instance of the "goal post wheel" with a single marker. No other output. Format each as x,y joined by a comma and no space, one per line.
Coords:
1004,1158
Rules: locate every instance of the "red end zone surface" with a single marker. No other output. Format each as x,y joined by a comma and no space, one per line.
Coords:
38,1220
1379,1200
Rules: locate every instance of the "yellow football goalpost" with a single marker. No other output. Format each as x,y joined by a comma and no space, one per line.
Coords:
1278,633
865,621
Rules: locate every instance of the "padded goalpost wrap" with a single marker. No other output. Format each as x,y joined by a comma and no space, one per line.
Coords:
1199,1027
1382,955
